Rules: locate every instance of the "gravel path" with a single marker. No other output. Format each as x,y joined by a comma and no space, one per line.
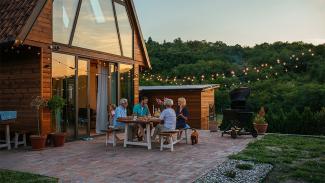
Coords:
221,173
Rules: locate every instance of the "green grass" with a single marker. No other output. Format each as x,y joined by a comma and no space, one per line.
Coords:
8,176
296,158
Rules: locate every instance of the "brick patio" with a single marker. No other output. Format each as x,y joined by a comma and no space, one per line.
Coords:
90,161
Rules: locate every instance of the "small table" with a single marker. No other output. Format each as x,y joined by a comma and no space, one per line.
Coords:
141,120
7,118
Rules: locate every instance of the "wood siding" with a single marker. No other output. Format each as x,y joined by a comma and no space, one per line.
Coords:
19,83
207,98
197,103
138,51
136,83
41,36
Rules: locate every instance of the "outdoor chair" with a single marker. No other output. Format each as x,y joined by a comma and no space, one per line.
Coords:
114,131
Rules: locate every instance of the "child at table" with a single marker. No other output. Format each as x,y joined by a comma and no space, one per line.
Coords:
111,114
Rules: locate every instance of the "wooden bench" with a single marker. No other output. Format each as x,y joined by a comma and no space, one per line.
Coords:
23,141
168,135
114,131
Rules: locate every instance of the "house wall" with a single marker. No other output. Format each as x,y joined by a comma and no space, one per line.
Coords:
207,98
19,83
197,103
41,36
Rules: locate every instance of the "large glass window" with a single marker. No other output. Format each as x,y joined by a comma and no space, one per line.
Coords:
125,30
63,17
113,83
83,118
63,84
96,27
126,83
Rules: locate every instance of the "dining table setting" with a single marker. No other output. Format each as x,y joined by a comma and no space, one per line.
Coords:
147,121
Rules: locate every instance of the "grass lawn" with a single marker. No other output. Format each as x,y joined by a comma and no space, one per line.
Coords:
295,158
8,176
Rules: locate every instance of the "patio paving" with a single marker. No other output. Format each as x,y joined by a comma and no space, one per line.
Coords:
91,161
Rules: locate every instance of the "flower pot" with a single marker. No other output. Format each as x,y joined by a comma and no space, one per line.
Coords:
38,142
59,139
261,128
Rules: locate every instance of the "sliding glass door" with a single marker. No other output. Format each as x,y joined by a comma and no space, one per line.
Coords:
63,85
83,125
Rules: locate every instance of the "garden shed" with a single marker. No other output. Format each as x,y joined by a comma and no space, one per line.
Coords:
199,98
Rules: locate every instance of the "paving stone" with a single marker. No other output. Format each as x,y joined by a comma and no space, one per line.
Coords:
91,161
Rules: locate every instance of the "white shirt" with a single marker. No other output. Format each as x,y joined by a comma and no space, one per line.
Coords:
169,117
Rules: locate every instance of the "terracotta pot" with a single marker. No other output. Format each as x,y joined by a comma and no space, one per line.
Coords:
38,142
261,128
59,139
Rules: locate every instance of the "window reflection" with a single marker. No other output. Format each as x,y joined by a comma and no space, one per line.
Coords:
113,85
63,17
96,28
126,83
124,29
63,84
83,118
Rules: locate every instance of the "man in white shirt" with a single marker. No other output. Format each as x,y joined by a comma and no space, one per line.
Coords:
168,117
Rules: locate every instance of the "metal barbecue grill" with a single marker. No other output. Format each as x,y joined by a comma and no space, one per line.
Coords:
238,119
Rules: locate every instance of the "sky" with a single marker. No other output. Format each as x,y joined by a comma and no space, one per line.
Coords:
244,22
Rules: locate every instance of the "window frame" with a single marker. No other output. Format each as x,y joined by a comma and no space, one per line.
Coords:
76,18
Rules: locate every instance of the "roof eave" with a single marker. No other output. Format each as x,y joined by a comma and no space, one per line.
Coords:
137,25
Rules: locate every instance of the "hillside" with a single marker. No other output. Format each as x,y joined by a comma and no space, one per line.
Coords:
287,78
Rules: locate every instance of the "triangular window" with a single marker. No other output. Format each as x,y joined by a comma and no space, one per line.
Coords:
63,17
125,30
96,27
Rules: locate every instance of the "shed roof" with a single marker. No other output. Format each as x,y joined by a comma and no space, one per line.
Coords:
180,87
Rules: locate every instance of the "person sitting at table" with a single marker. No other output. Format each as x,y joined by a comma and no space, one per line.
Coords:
121,112
111,113
181,113
168,118
140,110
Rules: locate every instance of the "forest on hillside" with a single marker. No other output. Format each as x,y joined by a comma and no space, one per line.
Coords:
287,78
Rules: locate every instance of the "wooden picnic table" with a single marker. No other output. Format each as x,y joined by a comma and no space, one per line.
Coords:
140,120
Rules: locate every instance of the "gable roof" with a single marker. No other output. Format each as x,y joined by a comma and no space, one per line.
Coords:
17,18
137,26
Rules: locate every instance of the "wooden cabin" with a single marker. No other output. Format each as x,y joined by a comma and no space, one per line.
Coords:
87,51
199,98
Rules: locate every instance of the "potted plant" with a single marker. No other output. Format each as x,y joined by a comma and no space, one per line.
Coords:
38,141
56,104
259,122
